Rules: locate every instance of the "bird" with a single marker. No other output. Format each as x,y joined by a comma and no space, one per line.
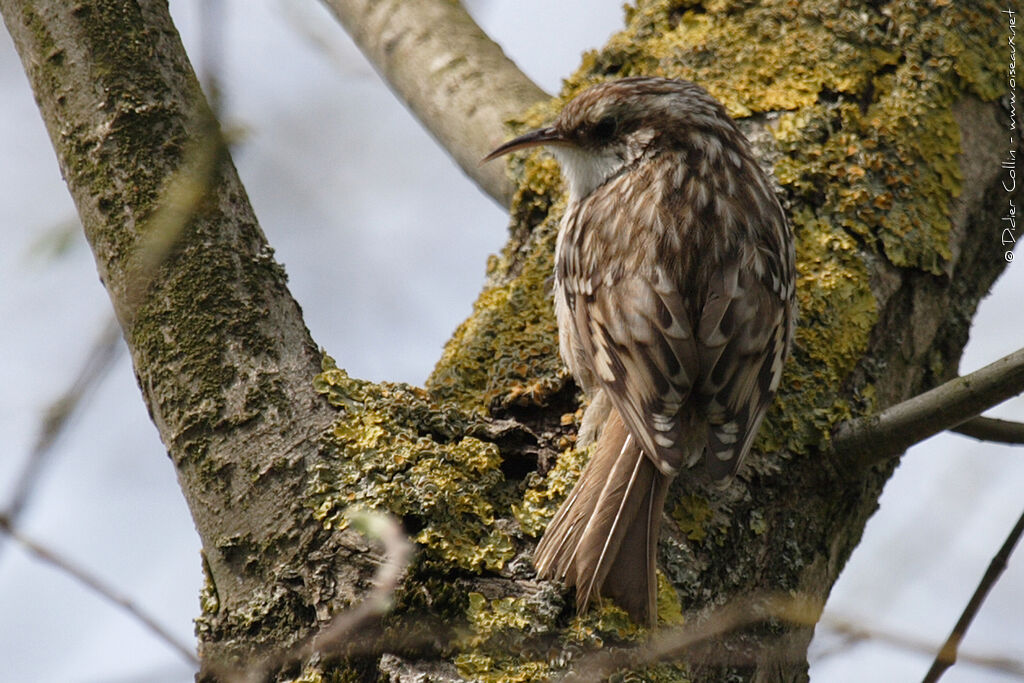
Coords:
674,293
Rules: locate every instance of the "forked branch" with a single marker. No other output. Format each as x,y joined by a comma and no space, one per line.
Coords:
870,440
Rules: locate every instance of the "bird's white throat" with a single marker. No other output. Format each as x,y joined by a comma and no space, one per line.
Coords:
587,169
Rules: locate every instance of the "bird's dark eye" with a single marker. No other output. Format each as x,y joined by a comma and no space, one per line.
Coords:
605,128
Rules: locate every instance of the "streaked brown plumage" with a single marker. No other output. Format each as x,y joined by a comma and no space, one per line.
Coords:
674,291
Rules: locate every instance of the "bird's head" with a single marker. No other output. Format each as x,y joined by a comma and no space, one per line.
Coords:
609,127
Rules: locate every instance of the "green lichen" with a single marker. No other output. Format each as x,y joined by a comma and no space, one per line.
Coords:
739,57
606,625
342,674
490,669
209,599
670,610
873,176
757,522
510,638
837,313
391,448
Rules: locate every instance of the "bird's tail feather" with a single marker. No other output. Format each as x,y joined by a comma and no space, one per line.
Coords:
604,538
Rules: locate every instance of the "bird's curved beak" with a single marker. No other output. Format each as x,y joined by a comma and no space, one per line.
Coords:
541,136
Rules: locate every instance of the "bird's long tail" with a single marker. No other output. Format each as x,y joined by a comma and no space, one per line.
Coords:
604,538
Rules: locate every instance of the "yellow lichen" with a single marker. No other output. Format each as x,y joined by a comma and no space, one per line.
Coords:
544,495
773,56
496,647
605,622
489,669
384,454
670,610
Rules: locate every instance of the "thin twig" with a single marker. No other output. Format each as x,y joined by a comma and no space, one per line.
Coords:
397,552
706,631
992,429
97,585
948,654
98,362
672,643
854,633
180,198
451,75
871,440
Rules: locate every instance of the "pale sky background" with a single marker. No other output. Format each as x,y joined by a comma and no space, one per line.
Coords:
385,242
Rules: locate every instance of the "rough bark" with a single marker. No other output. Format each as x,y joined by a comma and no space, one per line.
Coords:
881,123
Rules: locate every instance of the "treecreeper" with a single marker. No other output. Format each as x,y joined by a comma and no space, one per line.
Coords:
675,298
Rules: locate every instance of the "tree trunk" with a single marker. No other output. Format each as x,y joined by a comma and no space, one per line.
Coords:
881,124
219,347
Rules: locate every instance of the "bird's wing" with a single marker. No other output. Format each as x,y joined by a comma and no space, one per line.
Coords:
742,338
636,333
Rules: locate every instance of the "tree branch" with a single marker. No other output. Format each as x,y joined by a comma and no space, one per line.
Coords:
992,429
870,440
337,635
453,78
675,643
854,633
219,346
946,656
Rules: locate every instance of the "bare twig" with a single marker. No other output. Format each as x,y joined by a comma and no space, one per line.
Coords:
870,440
854,633
455,79
992,429
178,202
321,36
701,636
120,143
948,654
397,552
95,584
673,643
98,362
180,198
